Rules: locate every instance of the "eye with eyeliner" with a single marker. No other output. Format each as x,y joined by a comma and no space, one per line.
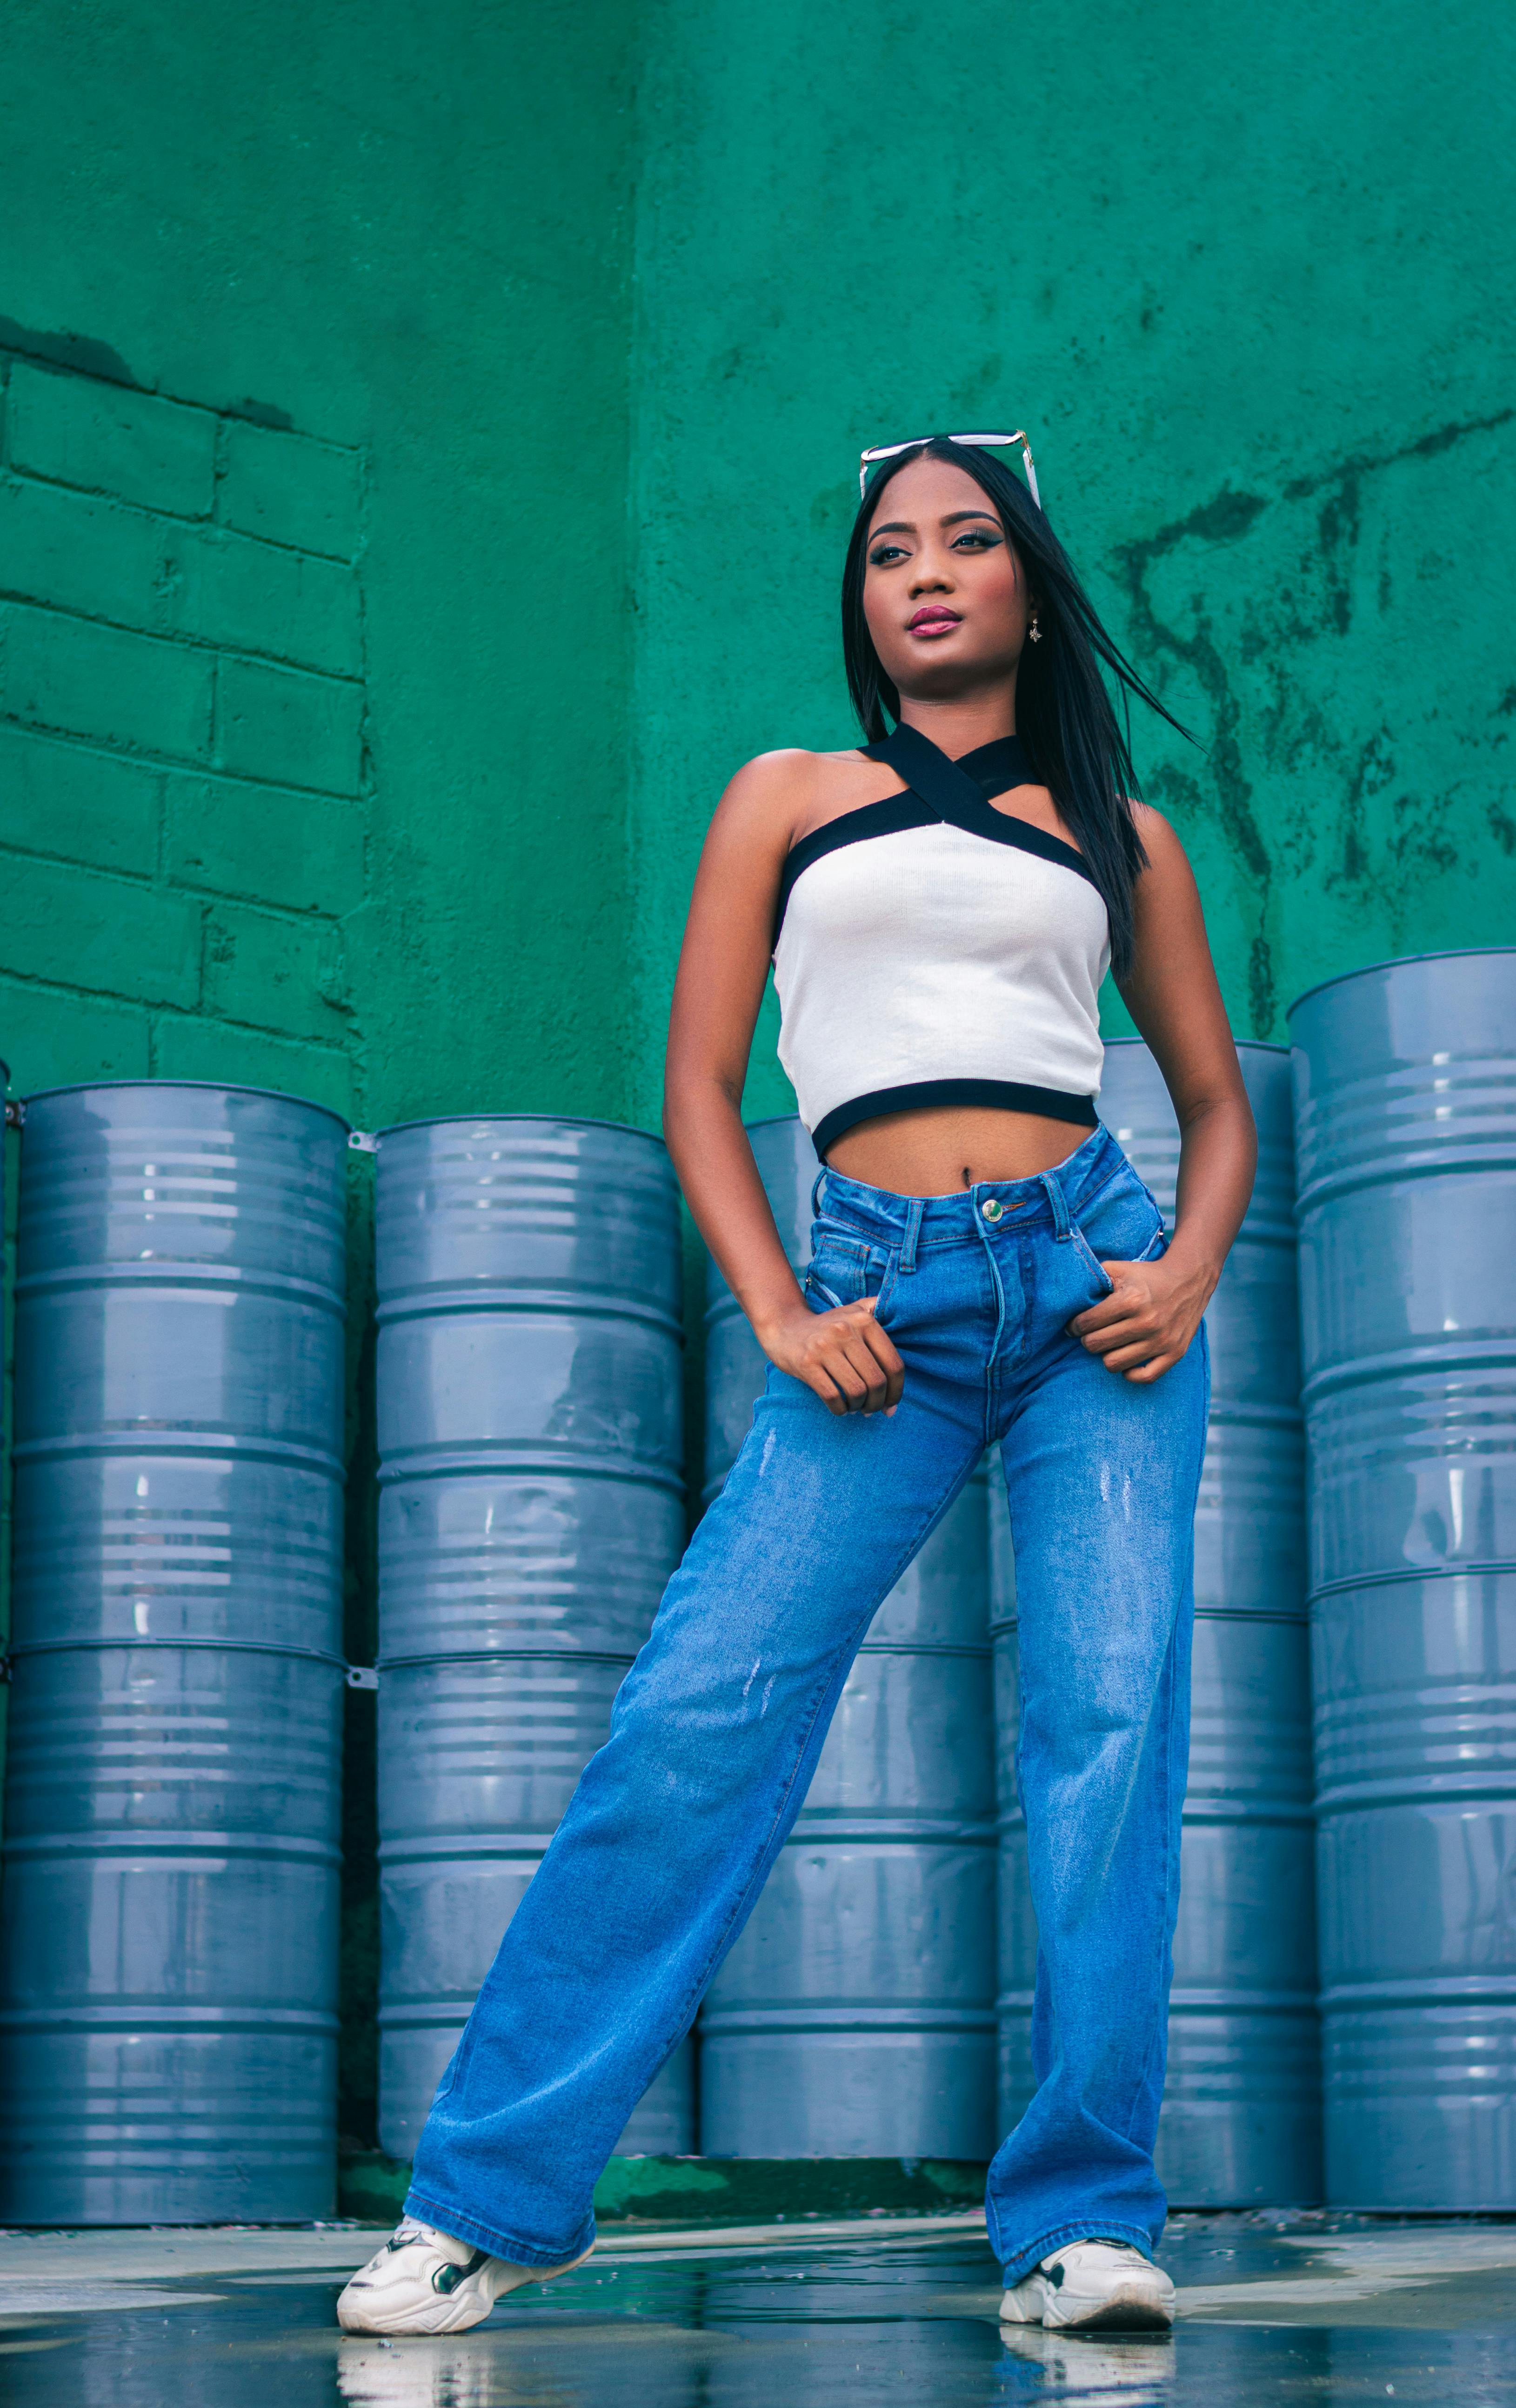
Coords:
981,539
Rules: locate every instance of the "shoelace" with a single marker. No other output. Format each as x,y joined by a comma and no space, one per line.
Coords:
408,2230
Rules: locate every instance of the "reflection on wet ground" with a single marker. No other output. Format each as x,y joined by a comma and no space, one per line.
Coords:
1317,2310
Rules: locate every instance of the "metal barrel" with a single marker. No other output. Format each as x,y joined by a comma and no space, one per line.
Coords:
1406,1123
1241,2117
854,2017
168,1958
1015,1922
531,1510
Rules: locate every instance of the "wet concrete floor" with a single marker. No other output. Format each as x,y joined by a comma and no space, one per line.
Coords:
1317,2309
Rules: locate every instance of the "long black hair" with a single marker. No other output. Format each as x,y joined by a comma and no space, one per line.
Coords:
1064,712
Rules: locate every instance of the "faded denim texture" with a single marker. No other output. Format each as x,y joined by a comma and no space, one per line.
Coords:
718,1726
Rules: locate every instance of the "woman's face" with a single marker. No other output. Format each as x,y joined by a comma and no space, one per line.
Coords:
944,591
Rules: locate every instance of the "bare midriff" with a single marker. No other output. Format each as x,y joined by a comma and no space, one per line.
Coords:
943,1149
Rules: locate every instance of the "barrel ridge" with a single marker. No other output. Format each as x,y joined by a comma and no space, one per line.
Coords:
172,1816
531,1508
1406,1104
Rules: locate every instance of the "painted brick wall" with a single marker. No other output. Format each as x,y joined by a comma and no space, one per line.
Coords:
183,779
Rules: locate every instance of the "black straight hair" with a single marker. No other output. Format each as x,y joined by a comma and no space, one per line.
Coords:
1064,716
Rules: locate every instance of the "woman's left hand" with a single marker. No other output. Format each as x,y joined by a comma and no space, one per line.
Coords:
1146,1322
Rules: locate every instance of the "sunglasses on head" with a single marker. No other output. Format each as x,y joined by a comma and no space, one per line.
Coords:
878,452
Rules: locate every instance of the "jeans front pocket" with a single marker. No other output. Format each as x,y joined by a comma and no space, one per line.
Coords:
819,1297
1105,1284
1122,1223
844,1271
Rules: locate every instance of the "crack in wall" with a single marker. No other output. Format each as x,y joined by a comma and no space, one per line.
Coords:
1229,517
1225,519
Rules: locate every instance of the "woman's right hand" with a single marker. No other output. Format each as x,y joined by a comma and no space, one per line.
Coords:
842,1354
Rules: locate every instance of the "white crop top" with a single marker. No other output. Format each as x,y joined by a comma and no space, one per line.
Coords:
932,950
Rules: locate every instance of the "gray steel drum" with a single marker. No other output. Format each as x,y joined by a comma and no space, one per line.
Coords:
1015,1922
168,2018
1241,2119
854,2017
531,1510
1406,1119
1241,2122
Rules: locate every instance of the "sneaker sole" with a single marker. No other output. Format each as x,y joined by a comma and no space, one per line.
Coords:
1121,2314
1012,2313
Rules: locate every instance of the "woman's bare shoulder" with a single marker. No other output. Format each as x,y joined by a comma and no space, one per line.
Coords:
1160,840
786,792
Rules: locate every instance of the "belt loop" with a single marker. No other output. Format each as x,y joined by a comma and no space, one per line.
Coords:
913,1224
816,1190
1056,1200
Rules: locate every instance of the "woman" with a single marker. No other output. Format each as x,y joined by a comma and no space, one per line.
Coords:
940,906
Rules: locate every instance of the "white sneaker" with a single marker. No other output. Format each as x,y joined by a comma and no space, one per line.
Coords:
1093,2286
424,2281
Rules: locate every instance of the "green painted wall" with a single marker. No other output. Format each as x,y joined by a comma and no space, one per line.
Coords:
1245,275
330,794
427,446
355,734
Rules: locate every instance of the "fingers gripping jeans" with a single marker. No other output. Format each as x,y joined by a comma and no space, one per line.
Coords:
718,1726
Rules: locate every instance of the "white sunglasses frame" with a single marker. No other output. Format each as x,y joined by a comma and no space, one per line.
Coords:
878,452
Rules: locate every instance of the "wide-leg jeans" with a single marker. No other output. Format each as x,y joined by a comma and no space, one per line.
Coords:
717,1728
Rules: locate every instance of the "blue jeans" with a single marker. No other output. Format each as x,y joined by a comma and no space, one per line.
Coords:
716,1731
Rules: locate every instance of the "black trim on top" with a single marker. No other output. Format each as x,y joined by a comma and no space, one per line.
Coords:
938,791
993,768
1000,1095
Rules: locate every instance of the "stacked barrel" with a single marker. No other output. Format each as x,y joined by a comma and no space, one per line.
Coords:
1015,1923
531,1510
854,2017
1406,1121
1241,2122
1241,2119
167,2015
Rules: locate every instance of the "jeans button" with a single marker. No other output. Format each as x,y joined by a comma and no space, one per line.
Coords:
991,1208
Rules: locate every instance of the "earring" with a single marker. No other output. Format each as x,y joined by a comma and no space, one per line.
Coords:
1033,631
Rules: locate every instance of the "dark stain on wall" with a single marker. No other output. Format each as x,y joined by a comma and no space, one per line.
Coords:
88,356
1425,447
1225,519
261,414
1260,717
65,351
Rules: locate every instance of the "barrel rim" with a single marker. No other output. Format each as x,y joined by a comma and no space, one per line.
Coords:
544,1120
202,1086
1243,1044
1402,961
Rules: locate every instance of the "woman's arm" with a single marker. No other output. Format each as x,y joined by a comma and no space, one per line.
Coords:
842,1355
1173,996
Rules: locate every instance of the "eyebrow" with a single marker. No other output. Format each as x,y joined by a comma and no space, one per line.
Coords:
908,526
